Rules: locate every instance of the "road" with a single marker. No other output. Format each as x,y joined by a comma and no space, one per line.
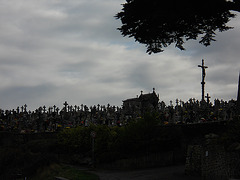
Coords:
163,173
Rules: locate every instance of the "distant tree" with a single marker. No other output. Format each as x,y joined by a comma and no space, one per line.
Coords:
159,23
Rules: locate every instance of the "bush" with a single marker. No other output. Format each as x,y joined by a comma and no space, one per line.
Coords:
137,138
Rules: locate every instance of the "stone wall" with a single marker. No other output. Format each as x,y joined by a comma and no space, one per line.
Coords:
212,161
193,164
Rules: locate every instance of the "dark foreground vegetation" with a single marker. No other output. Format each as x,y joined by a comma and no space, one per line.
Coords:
25,155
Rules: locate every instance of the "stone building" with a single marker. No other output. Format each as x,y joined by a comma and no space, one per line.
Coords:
135,107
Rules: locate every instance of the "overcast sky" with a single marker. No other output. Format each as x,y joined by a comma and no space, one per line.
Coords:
53,51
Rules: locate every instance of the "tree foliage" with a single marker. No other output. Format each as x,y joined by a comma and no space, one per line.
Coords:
158,24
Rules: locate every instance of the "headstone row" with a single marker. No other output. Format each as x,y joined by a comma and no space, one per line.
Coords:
54,118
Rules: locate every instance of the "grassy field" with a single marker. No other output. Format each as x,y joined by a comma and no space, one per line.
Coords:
68,172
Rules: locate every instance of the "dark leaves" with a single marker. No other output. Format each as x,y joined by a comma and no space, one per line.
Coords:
158,24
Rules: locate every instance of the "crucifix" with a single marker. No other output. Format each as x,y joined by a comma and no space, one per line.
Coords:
203,77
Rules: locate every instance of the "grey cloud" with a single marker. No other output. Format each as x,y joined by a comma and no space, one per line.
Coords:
56,51
12,97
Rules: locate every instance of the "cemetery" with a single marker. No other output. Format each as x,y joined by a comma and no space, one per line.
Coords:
51,119
143,133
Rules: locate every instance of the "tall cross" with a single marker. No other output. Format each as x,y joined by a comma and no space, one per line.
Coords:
203,77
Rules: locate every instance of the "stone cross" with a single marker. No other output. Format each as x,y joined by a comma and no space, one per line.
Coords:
40,109
57,110
54,108
194,100
25,108
181,102
208,98
44,109
177,101
191,101
18,109
65,105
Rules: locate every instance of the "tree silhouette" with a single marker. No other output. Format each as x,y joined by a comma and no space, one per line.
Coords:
157,24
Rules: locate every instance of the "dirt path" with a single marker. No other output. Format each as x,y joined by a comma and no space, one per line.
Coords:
164,173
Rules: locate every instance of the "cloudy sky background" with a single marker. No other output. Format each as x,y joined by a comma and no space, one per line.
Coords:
53,51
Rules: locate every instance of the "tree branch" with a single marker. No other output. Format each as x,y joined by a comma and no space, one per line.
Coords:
235,5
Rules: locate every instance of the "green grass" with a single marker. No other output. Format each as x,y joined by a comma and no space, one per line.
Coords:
68,172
